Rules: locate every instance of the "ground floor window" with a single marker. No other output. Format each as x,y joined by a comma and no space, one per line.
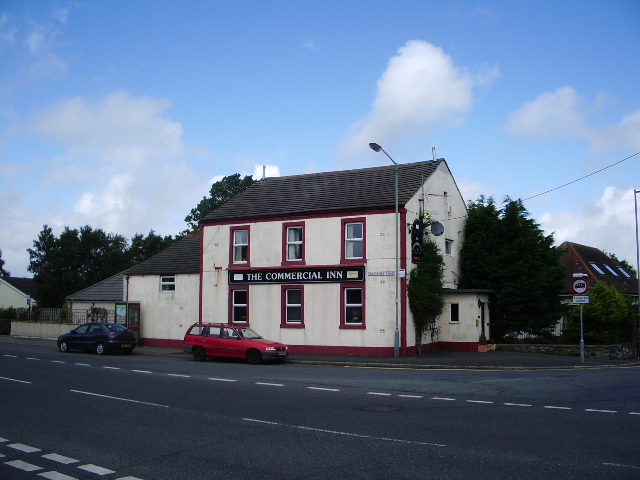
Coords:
292,306
239,305
455,313
352,307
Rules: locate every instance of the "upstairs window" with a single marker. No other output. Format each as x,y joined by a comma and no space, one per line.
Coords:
293,244
168,284
448,247
240,245
611,270
624,272
353,241
597,268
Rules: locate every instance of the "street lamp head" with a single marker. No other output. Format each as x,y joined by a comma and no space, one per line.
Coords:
580,275
375,147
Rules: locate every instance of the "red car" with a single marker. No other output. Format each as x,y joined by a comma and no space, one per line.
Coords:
204,340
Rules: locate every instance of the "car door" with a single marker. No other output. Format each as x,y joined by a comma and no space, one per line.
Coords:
76,337
92,337
231,344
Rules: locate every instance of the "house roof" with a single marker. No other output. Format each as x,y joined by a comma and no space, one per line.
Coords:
598,266
25,285
183,256
108,290
363,189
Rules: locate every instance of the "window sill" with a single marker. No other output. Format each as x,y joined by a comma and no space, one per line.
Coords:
292,325
353,327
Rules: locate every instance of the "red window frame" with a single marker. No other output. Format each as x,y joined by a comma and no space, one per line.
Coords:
283,306
232,261
343,236
232,289
343,306
285,227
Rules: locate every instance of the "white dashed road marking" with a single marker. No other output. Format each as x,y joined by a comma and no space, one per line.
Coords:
96,469
56,476
27,467
270,384
518,405
13,380
141,371
177,375
222,379
557,408
23,448
600,411
324,389
118,398
60,458
478,401
444,398
379,393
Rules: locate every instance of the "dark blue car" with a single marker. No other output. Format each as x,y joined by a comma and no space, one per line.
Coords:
99,337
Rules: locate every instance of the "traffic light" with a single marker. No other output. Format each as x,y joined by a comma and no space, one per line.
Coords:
416,241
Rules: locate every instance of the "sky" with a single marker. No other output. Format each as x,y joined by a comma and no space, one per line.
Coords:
121,114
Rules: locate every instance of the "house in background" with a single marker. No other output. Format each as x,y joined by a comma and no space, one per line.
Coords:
17,292
599,267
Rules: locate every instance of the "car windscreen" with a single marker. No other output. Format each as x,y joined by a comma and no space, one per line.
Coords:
248,334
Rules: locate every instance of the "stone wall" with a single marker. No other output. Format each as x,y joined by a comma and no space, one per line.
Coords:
624,351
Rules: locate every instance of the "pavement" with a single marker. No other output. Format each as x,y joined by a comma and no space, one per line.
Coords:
445,360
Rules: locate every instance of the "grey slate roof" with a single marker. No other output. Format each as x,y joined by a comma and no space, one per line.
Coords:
578,259
108,290
182,256
363,189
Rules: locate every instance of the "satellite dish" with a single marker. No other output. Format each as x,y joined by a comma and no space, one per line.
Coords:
437,228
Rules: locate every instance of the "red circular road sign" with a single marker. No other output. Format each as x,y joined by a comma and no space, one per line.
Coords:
580,286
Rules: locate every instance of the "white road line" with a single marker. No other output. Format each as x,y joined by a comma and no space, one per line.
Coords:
270,384
3,439
24,466
177,375
60,458
57,361
222,379
410,396
82,364
10,356
118,398
23,448
518,405
443,398
324,389
622,465
112,368
379,393
128,478
31,358
335,432
600,411
96,469
56,476
634,413
557,408
478,401
141,371
13,380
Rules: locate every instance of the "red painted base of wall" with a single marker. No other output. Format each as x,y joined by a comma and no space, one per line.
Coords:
336,350
161,342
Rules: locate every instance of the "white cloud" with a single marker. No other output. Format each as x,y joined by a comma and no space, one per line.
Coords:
551,115
421,86
608,224
563,113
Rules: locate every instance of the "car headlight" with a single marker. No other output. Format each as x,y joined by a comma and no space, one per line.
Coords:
270,348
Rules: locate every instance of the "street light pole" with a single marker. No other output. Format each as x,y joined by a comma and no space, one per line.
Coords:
635,201
396,341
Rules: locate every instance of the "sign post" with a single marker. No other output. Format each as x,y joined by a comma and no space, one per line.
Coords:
580,286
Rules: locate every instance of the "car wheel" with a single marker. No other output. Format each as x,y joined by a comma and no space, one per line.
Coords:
100,349
254,357
199,355
64,346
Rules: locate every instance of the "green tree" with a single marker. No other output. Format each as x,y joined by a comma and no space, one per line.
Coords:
3,272
608,318
220,192
506,251
425,292
142,248
74,261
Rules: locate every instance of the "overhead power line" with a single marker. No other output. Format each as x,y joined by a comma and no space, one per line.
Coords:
582,178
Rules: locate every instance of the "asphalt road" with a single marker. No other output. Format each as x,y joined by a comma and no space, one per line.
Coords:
81,415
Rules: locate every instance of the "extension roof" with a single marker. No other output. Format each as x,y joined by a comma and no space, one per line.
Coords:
353,190
108,290
25,285
599,266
